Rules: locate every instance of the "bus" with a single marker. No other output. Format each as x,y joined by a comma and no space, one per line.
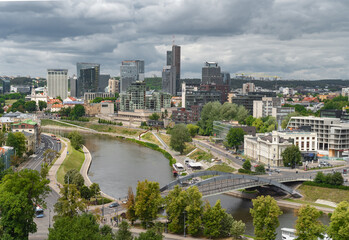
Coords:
39,212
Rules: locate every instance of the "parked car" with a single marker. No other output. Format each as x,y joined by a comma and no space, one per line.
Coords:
114,204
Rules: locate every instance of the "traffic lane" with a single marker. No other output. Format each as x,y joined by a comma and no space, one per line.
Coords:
220,152
44,223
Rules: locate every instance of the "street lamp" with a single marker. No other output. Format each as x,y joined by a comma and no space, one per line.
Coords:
184,223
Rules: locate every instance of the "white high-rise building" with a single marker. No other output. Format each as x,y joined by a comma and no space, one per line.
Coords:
57,83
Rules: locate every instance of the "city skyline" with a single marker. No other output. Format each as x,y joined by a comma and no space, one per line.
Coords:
290,39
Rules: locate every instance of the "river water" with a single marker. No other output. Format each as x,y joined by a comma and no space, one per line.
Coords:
116,165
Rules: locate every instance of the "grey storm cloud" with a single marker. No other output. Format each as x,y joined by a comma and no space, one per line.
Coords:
293,39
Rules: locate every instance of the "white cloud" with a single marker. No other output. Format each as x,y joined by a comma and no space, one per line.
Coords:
292,39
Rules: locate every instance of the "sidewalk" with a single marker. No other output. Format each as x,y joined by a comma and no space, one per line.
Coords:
52,174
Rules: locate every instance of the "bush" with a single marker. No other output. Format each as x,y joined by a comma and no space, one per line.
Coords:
335,179
242,170
247,165
326,185
260,169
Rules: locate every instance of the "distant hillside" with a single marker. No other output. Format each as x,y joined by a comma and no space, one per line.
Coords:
333,85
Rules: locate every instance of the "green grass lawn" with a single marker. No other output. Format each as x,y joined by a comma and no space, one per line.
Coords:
74,160
10,101
48,122
308,203
107,128
199,155
165,138
221,168
151,138
312,193
188,148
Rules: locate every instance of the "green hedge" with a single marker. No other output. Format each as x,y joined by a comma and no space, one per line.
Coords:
309,183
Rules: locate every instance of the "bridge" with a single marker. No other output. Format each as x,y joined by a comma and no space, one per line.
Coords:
222,182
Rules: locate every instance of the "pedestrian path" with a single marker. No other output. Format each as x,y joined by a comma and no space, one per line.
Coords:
52,174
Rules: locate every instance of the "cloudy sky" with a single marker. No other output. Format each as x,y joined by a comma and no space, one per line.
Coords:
298,39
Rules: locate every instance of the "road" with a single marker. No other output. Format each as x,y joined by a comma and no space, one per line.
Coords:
35,163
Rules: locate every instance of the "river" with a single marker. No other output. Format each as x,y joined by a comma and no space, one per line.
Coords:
116,165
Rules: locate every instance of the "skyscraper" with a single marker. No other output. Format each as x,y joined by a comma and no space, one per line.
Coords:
103,82
131,71
57,83
172,72
87,78
211,73
169,80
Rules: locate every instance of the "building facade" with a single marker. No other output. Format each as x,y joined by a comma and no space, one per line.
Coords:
169,84
131,71
211,74
57,83
248,87
6,86
266,148
103,82
264,107
246,101
87,79
332,134
113,86
89,96
171,73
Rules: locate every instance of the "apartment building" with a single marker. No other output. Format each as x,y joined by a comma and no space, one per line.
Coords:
264,107
332,134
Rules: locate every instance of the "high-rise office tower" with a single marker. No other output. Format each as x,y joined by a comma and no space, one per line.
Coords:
6,86
103,82
173,66
131,71
87,78
57,83
211,73
169,80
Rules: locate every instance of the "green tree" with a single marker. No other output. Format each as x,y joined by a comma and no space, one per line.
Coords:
17,141
180,202
179,136
2,138
320,177
78,111
97,100
79,227
30,106
149,235
291,156
249,120
76,139
339,225
287,119
95,190
17,106
193,129
73,176
265,213
308,227
148,201
130,205
247,165
42,105
85,192
210,112
19,192
124,232
235,137
154,116
70,202
260,168
258,124
336,179
213,218
237,229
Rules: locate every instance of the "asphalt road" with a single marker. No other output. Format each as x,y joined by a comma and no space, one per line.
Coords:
35,163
